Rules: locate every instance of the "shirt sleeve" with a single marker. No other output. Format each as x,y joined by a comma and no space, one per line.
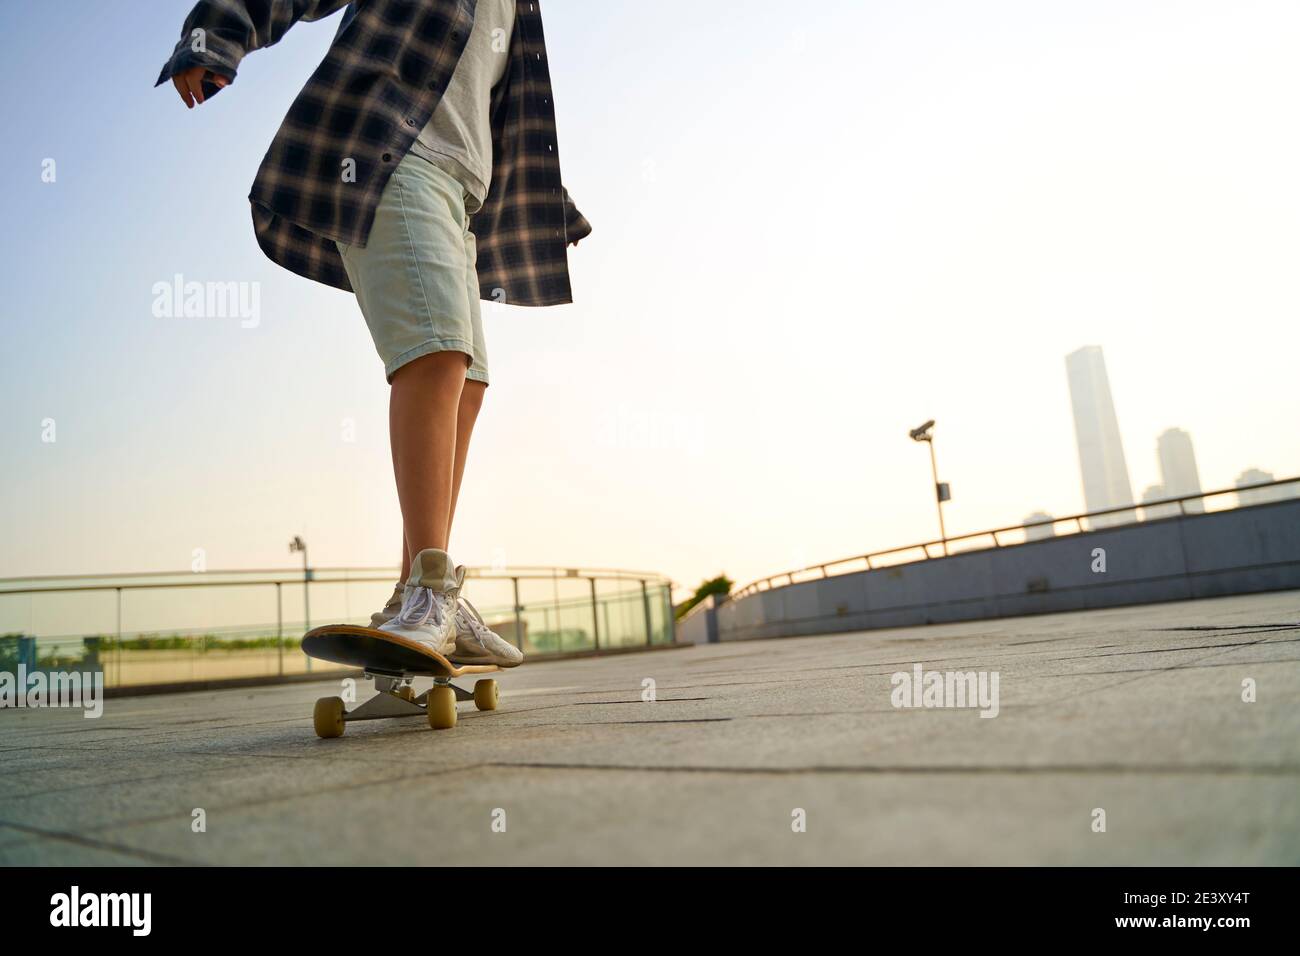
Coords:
218,34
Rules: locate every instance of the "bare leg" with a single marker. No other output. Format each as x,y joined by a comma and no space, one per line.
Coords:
471,401
422,421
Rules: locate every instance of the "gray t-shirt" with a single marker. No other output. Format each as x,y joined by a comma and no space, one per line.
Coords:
458,137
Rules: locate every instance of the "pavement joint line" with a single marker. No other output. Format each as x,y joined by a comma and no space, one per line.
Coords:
385,760
1158,671
243,754
1230,627
983,659
440,772
657,700
189,773
99,784
162,736
921,769
618,723
1174,650
156,731
148,856
1190,667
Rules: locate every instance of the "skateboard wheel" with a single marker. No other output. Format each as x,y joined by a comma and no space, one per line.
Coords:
327,717
442,707
485,694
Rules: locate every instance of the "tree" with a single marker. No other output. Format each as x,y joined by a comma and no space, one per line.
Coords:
719,585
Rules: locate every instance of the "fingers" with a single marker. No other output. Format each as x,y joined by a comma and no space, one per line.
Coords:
178,81
189,84
194,80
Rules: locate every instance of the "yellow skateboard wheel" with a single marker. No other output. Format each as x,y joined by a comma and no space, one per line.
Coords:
442,707
327,717
485,694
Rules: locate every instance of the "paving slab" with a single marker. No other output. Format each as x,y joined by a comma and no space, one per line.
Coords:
1137,712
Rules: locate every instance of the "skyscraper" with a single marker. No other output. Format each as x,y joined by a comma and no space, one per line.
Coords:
1178,467
1096,431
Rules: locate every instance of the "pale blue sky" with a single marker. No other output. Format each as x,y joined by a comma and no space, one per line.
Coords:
816,225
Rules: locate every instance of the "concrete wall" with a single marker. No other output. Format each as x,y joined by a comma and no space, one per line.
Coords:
700,626
1229,552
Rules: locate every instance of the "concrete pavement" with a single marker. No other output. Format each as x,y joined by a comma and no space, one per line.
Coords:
1134,711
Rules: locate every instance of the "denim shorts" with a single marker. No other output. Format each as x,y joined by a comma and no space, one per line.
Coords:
415,278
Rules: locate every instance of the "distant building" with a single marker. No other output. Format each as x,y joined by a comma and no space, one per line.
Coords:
1038,526
1096,432
1178,467
1151,512
1259,496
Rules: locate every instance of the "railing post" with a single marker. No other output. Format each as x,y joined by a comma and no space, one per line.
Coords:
306,599
559,612
669,616
645,603
119,636
595,617
279,625
519,621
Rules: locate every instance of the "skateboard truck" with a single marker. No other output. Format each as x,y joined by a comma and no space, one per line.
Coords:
403,687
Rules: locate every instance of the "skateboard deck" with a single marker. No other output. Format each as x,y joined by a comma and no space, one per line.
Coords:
379,652
393,662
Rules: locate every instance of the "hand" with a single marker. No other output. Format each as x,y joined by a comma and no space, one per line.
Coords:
189,83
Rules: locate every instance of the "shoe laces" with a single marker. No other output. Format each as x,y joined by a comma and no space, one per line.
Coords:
480,631
423,605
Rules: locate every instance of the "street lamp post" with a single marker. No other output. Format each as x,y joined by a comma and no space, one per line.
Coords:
297,544
942,492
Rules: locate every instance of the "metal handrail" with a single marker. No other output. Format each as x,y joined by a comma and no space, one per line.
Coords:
766,583
608,626
35,585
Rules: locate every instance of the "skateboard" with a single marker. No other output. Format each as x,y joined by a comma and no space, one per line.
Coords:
393,662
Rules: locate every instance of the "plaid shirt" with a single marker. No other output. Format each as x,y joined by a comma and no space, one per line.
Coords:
357,116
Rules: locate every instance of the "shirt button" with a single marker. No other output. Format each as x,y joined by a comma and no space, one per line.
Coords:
410,122
387,157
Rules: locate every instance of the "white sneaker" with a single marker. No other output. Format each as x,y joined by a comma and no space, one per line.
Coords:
476,643
389,610
428,608
427,616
